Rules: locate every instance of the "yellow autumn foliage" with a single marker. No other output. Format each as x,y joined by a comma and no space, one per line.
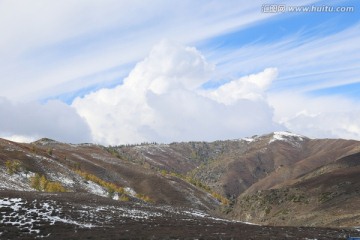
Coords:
41,183
12,166
144,198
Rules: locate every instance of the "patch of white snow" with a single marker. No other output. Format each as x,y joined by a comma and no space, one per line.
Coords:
130,191
96,189
291,138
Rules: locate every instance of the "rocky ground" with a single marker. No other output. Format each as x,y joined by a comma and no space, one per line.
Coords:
29,215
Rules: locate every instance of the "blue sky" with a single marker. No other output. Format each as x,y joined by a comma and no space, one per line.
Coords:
73,52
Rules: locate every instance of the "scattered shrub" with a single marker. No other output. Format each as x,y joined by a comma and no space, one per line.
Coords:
77,166
49,151
54,187
33,149
124,198
35,182
220,198
12,166
268,210
326,196
163,172
113,152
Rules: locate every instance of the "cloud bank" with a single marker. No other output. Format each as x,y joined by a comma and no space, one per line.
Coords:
317,117
162,100
27,122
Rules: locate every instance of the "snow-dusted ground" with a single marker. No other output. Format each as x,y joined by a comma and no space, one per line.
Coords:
63,216
17,181
26,216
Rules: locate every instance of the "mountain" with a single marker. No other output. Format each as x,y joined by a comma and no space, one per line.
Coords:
275,179
251,171
328,195
91,168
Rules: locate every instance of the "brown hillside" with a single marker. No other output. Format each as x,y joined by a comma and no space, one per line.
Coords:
327,196
276,178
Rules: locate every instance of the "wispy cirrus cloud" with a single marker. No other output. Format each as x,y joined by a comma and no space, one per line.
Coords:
304,65
47,44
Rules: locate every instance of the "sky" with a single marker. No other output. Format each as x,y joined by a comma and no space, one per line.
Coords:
129,71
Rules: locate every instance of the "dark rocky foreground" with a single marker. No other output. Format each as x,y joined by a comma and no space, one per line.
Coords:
29,215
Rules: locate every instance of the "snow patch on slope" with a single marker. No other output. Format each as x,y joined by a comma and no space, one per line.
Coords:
247,139
131,192
200,214
291,138
96,189
250,139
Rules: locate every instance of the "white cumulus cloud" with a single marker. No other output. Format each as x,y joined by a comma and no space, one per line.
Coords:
162,100
250,87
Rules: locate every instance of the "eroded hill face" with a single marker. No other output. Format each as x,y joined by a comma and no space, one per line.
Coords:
279,178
